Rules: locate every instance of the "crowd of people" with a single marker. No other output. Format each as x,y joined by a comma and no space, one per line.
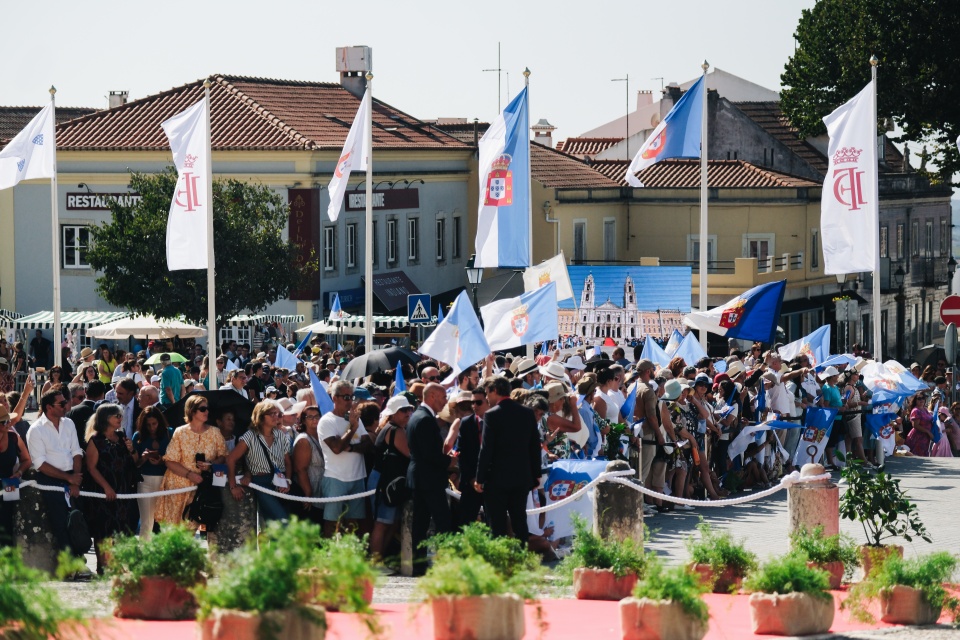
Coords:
489,433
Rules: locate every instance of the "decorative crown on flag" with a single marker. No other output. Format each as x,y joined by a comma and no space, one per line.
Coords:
847,154
189,161
502,161
38,140
545,278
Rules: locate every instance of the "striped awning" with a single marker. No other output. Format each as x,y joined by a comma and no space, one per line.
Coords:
68,319
9,315
355,325
261,318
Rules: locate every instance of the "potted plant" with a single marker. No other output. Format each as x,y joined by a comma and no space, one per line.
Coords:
152,579
789,598
876,500
667,604
341,577
28,609
907,591
477,585
720,560
259,592
837,555
601,569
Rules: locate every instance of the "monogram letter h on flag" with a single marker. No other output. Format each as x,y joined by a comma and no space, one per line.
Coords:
354,156
849,212
187,223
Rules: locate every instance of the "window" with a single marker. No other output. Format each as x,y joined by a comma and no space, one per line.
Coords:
579,241
329,248
609,239
915,238
455,247
352,244
928,237
814,249
441,229
759,246
76,241
884,241
376,247
391,241
413,239
900,253
693,250
944,237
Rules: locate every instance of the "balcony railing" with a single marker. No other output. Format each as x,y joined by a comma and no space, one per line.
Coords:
929,272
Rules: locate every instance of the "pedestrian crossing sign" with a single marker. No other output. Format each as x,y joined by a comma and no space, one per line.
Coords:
418,308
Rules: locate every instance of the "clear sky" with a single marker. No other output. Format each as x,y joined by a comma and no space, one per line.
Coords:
428,55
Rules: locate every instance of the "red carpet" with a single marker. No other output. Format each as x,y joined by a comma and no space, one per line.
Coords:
729,620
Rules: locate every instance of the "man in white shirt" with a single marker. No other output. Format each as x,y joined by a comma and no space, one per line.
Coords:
57,456
343,440
236,379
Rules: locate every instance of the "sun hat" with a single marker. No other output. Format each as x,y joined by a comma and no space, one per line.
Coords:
735,368
553,370
5,415
296,408
86,352
555,391
526,367
396,403
828,373
574,362
645,365
586,385
702,379
672,389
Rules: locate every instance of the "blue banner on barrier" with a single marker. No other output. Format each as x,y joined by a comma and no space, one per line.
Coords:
566,478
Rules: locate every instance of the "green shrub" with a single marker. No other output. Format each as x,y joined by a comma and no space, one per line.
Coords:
719,550
677,584
590,551
789,574
342,571
34,609
508,556
822,549
926,574
466,576
172,553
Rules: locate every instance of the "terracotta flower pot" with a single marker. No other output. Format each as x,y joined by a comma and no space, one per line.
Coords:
792,614
645,619
157,598
289,624
316,586
871,556
498,617
834,570
726,582
602,584
906,605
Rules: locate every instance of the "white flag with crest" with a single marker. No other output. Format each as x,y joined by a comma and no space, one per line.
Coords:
849,208
31,153
552,270
187,223
355,155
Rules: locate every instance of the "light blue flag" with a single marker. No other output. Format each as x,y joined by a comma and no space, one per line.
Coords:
836,361
816,346
336,313
324,401
654,352
890,382
458,340
503,217
303,344
628,405
400,385
690,350
339,347
285,359
526,319
439,314
674,343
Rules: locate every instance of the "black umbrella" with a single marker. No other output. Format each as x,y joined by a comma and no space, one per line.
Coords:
220,402
596,363
929,355
378,360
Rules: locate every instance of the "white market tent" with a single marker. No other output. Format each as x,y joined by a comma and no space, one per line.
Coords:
145,327
76,320
356,325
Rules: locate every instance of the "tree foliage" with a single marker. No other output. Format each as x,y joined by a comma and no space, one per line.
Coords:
255,266
917,43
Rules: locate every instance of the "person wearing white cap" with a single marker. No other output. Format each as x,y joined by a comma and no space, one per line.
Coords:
528,371
831,398
553,371
392,458
575,367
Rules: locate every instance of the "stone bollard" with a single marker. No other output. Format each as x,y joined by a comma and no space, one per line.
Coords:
618,510
406,539
32,532
813,504
237,522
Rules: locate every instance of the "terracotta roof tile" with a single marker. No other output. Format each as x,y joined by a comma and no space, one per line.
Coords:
253,114
14,119
722,174
586,147
771,119
552,168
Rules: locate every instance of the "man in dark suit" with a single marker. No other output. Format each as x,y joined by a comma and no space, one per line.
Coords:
469,448
127,399
509,464
429,466
93,393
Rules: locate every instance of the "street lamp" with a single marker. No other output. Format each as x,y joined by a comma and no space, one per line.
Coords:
474,277
898,277
951,269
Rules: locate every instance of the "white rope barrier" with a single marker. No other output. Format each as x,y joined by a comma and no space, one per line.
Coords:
120,496
287,496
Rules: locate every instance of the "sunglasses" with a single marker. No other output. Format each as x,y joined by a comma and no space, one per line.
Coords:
433,378
344,397
478,402
203,408
62,404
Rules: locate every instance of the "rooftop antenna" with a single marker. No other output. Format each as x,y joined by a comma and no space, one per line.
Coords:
661,82
499,71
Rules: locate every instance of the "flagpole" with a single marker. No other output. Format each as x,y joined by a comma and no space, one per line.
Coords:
55,237
876,250
368,224
211,265
704,239
526,83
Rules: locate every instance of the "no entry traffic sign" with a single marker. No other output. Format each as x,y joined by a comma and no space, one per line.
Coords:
950,310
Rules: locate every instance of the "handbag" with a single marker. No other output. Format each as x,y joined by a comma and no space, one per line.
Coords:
207,505
78,532
392,486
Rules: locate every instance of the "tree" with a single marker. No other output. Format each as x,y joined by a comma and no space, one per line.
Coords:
917,43
255,266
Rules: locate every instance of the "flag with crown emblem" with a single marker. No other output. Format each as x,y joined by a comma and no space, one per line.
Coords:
526,319
31,153
552,270
753,315
458,340
187,222
849,205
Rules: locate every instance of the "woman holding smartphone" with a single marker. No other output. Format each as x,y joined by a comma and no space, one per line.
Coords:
150,441
193,449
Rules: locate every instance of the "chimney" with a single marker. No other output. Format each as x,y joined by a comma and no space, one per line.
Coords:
543,133
117,99
353,63
671,96
644,99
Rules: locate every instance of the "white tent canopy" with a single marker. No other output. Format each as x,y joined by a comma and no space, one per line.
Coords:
145,327
356,325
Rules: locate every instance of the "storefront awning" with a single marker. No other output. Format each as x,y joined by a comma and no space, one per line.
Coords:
392,289
68,319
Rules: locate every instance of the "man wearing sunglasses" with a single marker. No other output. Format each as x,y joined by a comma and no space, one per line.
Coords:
57,456
430,374
343,440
